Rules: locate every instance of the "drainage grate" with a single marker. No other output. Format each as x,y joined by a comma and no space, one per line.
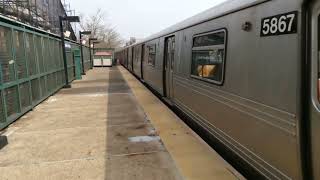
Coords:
25,95
12,100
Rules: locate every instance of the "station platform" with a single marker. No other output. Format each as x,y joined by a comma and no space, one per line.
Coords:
107,126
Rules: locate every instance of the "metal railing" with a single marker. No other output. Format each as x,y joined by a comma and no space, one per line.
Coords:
31,68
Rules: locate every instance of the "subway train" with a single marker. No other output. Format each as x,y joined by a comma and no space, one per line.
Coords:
247,72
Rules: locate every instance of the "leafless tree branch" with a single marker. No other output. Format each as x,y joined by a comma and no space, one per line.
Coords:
99,28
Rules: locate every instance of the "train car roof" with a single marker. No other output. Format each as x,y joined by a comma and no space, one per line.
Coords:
225,8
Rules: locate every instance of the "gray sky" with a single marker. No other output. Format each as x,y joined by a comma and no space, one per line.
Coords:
142,18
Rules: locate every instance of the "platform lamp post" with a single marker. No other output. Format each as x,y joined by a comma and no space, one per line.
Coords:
61,20
90,40
81,48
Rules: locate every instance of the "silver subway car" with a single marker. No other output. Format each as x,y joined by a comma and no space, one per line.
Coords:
247,72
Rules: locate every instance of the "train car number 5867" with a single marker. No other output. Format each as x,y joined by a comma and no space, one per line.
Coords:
280,24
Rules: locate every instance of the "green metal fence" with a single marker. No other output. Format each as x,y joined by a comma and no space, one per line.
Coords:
31,68
70,61
86,58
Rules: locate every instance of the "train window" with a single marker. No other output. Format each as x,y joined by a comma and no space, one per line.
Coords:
152,55
209,39
208,54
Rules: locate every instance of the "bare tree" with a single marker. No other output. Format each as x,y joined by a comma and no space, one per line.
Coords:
96,23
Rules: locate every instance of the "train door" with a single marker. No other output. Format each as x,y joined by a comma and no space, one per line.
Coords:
168,66
142,59
314,105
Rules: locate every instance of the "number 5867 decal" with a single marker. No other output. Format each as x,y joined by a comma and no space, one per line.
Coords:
279,24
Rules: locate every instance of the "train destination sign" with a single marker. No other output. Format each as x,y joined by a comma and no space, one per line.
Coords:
280,24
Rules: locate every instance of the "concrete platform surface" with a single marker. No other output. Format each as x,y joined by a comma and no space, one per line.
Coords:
107,126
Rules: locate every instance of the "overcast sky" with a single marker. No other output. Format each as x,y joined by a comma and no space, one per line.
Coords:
142,18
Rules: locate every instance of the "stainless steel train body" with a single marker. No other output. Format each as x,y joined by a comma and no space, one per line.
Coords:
246,71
